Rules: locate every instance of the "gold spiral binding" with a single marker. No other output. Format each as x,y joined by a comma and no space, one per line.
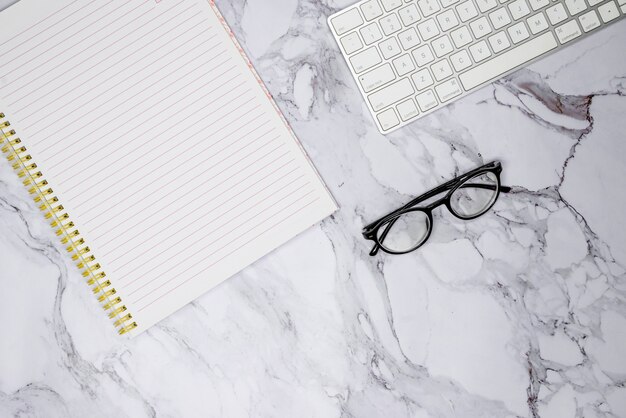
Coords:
60,221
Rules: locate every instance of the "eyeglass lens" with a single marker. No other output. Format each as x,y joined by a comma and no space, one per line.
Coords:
475,196
405,233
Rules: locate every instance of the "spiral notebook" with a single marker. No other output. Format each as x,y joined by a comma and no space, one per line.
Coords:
151,146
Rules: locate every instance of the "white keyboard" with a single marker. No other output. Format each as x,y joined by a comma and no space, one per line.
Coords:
412,57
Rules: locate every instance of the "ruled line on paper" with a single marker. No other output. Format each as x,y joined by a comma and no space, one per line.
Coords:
167,172
36,67
102,223
197,209
202,195
202,228
174,158
109,187
104,244
217,240
80,85
26,51
8,41
294,213
71,174
57,66
128,208
162,56
96,118
144,89
152,106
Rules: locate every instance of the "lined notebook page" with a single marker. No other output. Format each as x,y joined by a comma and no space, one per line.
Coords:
159,141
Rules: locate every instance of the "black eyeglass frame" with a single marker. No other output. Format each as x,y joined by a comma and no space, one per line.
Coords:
370,231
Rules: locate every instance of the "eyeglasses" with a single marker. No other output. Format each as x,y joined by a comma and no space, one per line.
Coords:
408,228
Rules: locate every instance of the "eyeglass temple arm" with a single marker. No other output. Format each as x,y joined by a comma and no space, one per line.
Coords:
504,189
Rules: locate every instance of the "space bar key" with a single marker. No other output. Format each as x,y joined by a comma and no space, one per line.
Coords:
510,59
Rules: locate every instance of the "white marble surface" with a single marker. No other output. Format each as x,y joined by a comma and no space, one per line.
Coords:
521,313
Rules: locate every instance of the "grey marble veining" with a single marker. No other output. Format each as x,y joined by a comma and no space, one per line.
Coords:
521,313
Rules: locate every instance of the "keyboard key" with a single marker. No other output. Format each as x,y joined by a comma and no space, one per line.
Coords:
448,90
407,110
390,24
608,11
426,100
409,39
428,29
347,21
480,51
371,33
441,70
390,48
391,94
461,60
480,27
466,11
423,55
518,32
447,20
556,13
388,119
404,65
504,62
519,9
500,18
486,5
390,5
442,46
499,42
537,23
575,6
448,3
351,43
594,2
538,4
428,7
365,60
371,10
568,31
409,14
422,79
589,21
376,78
461,37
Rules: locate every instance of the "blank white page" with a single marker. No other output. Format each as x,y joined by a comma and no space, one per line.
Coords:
158,138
